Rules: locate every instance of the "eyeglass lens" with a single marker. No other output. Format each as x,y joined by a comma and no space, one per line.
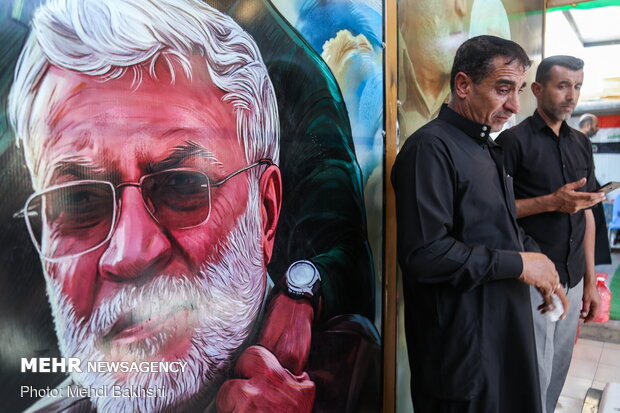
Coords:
72,219
177,199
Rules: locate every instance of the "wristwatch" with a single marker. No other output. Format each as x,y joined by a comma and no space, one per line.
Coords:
303,280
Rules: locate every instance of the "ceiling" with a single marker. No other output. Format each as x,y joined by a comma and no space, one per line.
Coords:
596,26
591,31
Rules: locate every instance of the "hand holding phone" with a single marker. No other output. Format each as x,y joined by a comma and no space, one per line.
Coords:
608,187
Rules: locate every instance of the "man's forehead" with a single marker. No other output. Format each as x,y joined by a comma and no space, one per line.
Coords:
163,78
507,71
72,97
113,124
511,64
62,82
560,73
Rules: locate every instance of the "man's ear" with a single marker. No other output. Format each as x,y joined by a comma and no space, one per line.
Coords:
537,89
462,85
270,187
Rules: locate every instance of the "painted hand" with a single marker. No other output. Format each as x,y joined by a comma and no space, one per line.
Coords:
265,386
287,331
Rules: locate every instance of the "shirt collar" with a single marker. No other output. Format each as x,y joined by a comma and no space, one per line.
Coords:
476,131
540,124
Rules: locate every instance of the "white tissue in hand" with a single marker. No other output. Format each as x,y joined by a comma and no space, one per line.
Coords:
558,309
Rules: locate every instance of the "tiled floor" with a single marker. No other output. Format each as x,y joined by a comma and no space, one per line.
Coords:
594,364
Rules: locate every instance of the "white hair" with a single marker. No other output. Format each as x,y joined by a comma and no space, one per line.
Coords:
226,298
108,38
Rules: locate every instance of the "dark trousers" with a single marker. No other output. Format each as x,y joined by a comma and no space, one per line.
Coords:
429,404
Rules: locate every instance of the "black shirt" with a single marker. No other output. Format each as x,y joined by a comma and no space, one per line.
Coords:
540,163
456,218
468,319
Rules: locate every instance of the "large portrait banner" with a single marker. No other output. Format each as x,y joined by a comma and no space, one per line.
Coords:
184,219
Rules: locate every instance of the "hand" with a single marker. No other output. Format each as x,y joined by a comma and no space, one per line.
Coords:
266,386
590,302
539,271
547,304
567,199
287,331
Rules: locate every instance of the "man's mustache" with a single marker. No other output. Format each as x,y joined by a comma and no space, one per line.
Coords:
503,114
134,305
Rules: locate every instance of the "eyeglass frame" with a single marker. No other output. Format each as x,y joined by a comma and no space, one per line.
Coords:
116,202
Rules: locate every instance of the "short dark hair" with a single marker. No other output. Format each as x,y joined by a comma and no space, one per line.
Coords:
569,62
475,57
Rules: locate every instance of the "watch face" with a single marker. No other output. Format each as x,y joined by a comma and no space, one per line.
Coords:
301,274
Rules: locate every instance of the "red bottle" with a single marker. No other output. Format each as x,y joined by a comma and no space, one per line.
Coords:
605,294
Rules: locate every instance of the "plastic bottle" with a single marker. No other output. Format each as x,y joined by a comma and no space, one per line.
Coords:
605,303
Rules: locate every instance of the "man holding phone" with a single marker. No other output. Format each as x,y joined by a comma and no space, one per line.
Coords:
553,171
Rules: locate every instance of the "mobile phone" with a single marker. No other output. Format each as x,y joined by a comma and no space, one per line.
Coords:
609,187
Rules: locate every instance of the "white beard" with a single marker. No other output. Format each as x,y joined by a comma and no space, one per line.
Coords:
228,297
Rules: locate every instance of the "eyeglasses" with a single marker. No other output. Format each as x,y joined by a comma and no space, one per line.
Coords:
74,218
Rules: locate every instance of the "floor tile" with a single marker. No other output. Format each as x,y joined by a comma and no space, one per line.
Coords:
612,346
576,387
610,356
607,373
591,343
583,369
600,385
587,351
569,405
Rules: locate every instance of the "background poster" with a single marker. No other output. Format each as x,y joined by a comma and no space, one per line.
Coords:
605,147
429,34
329,101
347,34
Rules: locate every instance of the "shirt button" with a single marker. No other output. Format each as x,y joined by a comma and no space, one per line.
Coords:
571,240
563,166
482,134
484,128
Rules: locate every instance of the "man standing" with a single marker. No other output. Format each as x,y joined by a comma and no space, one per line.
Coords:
551,165
467,306
588,125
